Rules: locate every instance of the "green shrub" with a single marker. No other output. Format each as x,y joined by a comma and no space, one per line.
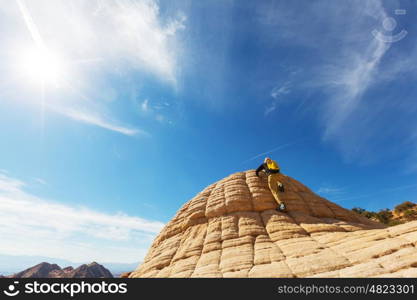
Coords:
384,216
410,214
370,214
395,222
365,213
404,206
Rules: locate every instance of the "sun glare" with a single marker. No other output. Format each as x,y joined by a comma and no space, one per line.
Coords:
39,65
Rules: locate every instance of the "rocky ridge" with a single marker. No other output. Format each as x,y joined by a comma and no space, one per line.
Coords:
47,270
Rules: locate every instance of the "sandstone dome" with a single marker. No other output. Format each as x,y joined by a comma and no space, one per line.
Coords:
231,229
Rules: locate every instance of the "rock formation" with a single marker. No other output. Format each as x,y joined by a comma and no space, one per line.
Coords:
231,229
46,270
41,270
125,274
93,270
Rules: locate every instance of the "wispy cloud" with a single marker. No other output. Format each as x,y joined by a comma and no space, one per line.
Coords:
283,89
30,24
278,93
352,82
116,37
155,110
112,32
348,82
348,69
145,106
98,120
280,147
33,226
356,112
8,184
272,107
331,191
141,35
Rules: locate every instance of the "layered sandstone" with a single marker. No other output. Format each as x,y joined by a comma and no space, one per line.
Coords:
231,229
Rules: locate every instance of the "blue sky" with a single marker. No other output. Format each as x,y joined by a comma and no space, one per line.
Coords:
115,113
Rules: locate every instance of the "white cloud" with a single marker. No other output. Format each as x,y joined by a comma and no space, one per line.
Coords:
140,35
145,106
349,56
114,32
348,81
175,25
281,90
277,94
33,226
156,111
330,191
94,39
98,120
352,82
280,147
8,184
270,108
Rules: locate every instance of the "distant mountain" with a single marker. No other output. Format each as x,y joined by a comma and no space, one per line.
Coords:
11,264
93,270
47,270
41,270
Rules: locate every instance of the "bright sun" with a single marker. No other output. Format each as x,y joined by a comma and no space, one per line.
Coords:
41,66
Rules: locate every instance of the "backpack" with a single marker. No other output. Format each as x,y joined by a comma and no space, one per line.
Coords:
272,165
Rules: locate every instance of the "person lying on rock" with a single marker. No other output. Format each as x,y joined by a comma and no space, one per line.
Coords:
271,168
